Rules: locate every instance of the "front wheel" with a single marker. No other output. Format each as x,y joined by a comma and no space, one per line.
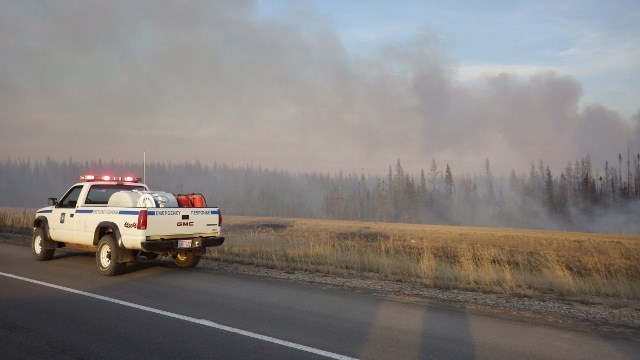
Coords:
186,259
107,257
38,246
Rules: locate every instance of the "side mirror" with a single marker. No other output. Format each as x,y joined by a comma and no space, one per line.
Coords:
52,201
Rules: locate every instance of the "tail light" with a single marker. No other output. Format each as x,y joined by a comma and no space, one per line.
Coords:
219,217
142,220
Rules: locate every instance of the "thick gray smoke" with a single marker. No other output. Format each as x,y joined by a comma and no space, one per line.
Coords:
215,82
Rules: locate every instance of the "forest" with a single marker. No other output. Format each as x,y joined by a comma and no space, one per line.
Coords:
583,197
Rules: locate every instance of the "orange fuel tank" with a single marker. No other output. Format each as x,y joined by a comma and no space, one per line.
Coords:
183,200
197,200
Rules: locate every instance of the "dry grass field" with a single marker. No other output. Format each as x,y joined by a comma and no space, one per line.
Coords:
16,220
512,261
519,262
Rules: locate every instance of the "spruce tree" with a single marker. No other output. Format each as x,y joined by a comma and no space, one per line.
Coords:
448,183
549,201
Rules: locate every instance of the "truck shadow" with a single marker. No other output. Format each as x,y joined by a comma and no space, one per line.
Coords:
145,264
140,265
64,253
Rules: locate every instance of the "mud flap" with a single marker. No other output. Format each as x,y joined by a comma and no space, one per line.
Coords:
125,255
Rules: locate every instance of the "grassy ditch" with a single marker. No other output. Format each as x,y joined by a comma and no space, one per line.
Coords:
511,261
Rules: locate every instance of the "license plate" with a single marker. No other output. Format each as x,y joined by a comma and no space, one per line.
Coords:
184,243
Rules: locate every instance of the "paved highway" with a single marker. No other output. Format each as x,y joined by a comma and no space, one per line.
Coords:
63,309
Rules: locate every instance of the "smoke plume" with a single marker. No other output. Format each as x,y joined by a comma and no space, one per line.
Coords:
187,80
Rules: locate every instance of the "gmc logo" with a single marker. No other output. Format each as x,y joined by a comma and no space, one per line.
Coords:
185,223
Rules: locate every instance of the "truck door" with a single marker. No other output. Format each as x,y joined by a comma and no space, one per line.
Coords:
63,220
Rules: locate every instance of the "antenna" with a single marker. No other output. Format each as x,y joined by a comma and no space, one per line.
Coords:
144,166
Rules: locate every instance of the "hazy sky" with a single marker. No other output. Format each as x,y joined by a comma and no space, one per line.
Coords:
321,85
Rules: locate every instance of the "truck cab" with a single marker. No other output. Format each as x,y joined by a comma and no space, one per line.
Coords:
71,224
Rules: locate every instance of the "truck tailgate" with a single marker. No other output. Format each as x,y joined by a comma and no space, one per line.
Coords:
182,222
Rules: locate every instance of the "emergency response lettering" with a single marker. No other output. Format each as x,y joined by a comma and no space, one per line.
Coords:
106,212
168,212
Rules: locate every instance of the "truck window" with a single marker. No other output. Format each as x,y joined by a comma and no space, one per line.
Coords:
100,194
70,199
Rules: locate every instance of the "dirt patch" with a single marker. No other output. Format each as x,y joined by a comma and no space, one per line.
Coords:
258,226
363,235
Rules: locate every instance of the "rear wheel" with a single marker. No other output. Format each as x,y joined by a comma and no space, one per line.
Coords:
107,257
186,259
38,246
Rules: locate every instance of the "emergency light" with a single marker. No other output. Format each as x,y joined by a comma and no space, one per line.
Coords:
110,178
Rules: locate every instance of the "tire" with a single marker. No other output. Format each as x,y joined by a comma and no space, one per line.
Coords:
37,246
107,256
186,259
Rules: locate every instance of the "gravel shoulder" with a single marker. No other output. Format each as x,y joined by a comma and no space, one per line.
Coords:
605,316
615,317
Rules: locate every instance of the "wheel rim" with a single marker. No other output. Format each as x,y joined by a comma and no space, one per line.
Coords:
105,256
182,256
37,244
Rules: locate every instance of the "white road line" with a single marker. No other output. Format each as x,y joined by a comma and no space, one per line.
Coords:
204,322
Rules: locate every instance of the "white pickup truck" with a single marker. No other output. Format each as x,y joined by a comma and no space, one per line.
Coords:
121,220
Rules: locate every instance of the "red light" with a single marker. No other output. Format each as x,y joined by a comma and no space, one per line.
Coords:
129,178
142,220
106,178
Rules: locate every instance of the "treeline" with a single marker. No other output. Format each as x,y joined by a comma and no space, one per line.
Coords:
582,197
